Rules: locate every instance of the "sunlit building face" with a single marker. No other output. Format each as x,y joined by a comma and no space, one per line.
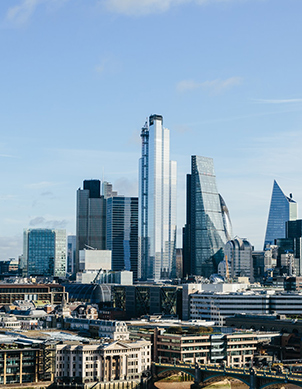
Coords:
157,203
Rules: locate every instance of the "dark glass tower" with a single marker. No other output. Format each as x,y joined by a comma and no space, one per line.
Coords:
122,233
282,209
90,218
208,223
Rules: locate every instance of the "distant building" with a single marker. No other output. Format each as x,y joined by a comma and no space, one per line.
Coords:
217,306
208,224
54,293
71,253
179,263
90,218
95,260
239,253
262,263
122,233
44,252
91,263
111,329
282,209
157,203
107,190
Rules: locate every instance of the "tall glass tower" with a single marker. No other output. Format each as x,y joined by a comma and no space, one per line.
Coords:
282,210
208,225
157,203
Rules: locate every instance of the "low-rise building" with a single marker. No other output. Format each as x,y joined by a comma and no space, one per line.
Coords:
112,329
54,293
217,306
119,360
236,349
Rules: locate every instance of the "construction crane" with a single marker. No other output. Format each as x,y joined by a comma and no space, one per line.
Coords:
96,277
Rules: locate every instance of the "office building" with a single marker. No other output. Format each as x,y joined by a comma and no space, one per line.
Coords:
54,293
71,253
107,190
44,252
208,222
122,233
239,253
90,218
157,203
216,306
282,209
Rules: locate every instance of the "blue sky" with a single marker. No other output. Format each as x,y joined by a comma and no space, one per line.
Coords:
79,77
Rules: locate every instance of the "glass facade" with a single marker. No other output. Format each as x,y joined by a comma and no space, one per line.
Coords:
45,252
206,228
71,253
122,233
91,218
282,209
157,203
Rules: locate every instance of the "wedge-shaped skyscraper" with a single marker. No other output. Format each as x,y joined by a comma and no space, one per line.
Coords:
282,210
208,225
157,203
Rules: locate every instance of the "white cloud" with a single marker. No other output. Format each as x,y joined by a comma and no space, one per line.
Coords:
41,185
42,222
21,13
278,101
143,7
8,156
213,87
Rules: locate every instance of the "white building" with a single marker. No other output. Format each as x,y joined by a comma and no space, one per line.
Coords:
216,306
120,360
94,260
190,289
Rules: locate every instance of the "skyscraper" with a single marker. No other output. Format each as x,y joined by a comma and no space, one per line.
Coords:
90,218
122,233
44,252
282,209
71,253
208,223
157,203
239,253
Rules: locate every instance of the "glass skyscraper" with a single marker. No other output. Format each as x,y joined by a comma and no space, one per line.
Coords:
282,209
157,203
90,218
44,252
122,233
71,253
208,225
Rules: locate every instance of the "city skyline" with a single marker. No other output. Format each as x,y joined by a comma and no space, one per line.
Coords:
76,80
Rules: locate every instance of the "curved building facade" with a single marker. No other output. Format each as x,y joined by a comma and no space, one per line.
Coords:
208,223
239,254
